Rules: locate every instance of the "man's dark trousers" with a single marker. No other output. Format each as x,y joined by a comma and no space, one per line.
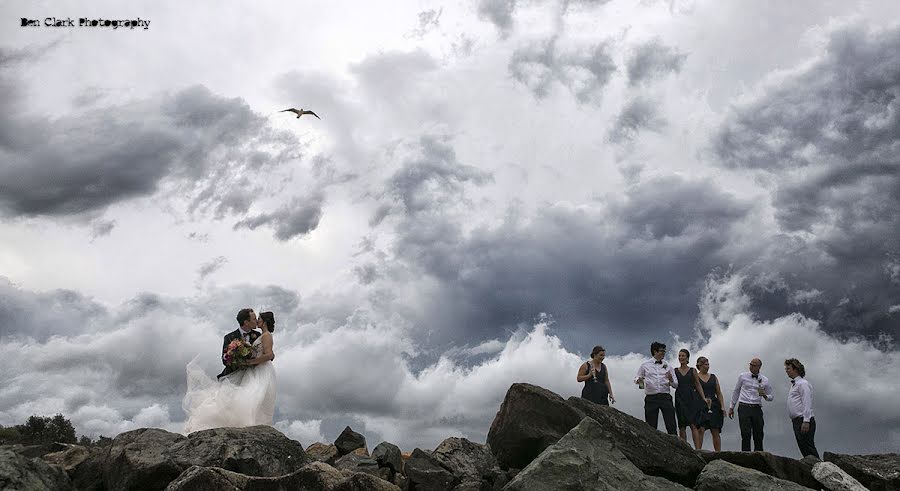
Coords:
806,441
750,419
660,402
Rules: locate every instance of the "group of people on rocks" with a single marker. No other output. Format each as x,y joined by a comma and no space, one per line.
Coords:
699,404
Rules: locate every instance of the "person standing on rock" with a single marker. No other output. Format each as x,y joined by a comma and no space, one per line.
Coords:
800,407
749,391
656,377
710,415
593,373
687,394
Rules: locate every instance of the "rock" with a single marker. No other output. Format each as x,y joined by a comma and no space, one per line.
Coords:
139,460
878,472
20,472
69,458
365,482
358,463
349,441
426,474
317,475
834,478
584,459
388,455
469,461
721,475
252,451
88,475
197,478
323,452
798,471
532,418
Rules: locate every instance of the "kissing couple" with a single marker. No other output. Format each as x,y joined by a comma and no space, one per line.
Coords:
245,392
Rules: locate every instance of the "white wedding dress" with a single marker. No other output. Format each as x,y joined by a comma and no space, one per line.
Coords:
242,398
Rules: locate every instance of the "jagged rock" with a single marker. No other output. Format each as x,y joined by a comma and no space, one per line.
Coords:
365,482
388,455
88,474
532,418
349,441
20,472
69,458
314,476
318,475
798,471
426,474
323,452
721,475
469,461
139,460
834,478
252,451
584,459
878,472
197,478
358,463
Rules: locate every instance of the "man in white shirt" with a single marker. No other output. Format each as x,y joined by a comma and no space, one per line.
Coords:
656,377
751,388
799,402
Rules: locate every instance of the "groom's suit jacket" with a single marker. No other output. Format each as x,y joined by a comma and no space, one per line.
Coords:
236,334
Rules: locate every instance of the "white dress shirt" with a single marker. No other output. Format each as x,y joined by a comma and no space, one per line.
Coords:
799,400
654,374
746,390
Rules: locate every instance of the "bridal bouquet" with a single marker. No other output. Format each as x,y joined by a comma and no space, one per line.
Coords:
236,354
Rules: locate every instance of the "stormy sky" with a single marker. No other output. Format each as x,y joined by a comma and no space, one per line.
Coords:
495,186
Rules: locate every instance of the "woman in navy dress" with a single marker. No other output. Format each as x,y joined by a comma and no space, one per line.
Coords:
595,377
710,416
686,398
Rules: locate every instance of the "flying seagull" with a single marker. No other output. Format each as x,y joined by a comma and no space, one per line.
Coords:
300,112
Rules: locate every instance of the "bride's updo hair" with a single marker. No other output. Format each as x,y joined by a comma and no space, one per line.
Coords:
269,319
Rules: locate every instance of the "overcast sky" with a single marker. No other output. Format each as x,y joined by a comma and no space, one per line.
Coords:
495,186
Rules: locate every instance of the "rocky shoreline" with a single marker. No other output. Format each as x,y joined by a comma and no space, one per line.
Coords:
537,441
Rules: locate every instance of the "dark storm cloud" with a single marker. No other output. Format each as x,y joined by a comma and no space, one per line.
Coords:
584,72
638,114
40,315
653,60
824,139
83,162
299,217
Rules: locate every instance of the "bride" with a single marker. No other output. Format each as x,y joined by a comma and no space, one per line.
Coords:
240,398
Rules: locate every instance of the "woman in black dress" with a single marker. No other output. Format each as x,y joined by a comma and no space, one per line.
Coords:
596,378
686,397
712,415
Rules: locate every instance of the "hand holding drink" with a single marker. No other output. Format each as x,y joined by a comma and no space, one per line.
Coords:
760,390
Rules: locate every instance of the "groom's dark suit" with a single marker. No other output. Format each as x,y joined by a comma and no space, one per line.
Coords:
236,334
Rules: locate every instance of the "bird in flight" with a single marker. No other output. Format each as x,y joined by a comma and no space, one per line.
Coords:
300,112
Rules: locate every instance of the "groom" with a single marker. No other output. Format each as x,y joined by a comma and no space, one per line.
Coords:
246,319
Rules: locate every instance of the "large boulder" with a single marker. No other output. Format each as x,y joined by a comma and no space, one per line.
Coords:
834,478
424,473
584,459
786,468
359,463
470,462
323,452
197,478
532,418
365,482
69,458
349,441
20,472
878,472
388,455
315,476
721,475
252,451
140,460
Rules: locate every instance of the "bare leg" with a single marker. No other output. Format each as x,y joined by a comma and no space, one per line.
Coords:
717,440
681,433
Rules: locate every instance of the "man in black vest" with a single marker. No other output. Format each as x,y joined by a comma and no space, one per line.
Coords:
246,319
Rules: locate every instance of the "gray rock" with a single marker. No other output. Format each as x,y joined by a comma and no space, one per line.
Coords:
323,452
834,478
140,460
358,463
878,472
584,459
388,455
197,478
69,458
349,441
314,476
88,474
20,472
317,475
470,462
426,474
252,451
365,482
798,471
720,475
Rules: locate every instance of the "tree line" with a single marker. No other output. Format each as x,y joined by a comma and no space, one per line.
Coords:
40,430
